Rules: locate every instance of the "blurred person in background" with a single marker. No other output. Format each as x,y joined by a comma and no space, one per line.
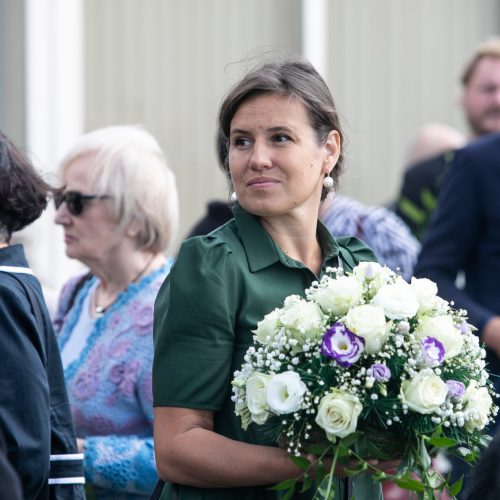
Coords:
378,227
464,237
429,156
119,210
427,166
35,416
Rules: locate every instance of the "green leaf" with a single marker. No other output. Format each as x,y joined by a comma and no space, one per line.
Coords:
343,451
284,485
438,432
320,472
455,488
380,476
300,462
306,484
407,483
485,440
350,439
289,494
319,449
442,442
425,458
359,469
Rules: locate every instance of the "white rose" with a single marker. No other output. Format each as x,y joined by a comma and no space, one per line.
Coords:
442,329
425,392
426,293
338,414
368,321
266,328
478,406
303,318
339,295
285,393
373,273
256,397
398,300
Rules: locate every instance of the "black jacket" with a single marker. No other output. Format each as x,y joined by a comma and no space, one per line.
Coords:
35,415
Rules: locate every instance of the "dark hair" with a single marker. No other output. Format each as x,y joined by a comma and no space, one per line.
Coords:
23,192
292,77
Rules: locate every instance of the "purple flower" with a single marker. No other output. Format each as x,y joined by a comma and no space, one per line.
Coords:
380,372
464,327
455,389
342,345
432,351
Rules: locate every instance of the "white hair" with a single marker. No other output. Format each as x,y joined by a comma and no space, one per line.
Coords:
129,165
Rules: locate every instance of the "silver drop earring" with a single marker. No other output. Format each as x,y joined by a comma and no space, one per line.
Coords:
234,197
328,182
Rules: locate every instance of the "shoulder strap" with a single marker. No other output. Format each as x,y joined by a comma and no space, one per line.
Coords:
76,289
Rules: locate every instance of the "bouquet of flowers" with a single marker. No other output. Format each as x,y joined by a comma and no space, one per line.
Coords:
367,367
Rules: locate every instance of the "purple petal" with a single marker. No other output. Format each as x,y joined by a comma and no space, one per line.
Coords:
380,373
432,351
456,389
342,345
464,327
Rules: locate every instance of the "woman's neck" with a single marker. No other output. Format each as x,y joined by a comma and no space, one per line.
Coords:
297,239
116,273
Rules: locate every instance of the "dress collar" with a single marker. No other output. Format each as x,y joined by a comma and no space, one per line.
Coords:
262,251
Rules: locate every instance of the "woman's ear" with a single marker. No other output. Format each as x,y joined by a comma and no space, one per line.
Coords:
133,228
332,150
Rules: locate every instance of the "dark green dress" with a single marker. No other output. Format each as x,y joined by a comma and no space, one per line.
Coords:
221,285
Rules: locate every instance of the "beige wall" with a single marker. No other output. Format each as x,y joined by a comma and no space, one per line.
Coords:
394,65
167,63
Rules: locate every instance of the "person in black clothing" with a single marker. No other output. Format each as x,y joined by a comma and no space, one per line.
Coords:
10,485
35,416
429,157
464,236
218,213
485,481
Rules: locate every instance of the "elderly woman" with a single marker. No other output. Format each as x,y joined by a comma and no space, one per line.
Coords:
35,417
280,145
119,212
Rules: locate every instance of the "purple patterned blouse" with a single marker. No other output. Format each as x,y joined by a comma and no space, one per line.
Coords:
109,386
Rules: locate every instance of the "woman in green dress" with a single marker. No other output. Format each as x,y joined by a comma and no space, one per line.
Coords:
280,145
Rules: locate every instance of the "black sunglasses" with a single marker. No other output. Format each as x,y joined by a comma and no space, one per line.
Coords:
75,201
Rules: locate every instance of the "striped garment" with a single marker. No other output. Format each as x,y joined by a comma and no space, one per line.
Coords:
380,228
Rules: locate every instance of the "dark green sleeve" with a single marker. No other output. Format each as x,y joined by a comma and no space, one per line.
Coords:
194,321
353,251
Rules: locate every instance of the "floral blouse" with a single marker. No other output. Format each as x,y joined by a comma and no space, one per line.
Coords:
109,387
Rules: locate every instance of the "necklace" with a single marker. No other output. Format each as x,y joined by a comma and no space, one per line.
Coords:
100,310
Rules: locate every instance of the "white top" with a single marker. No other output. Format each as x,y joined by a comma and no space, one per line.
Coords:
80,334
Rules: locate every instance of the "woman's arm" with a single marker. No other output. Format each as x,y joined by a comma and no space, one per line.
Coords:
189,452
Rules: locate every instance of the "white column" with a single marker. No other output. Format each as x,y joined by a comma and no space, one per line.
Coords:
54,119
314,34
